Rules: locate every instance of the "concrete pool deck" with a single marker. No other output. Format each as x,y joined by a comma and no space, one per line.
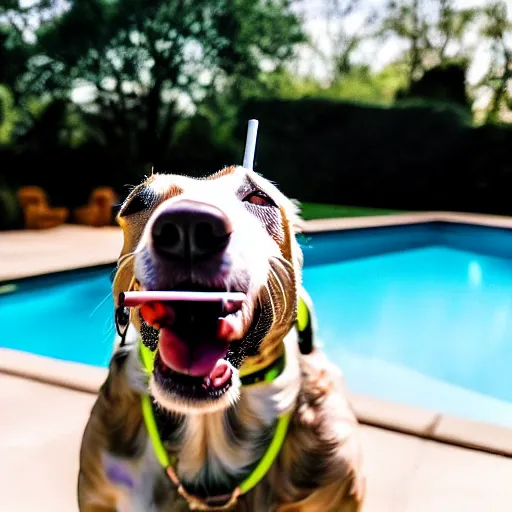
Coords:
39,460
410,473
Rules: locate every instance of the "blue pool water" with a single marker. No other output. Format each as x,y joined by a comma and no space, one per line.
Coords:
430,326
420,315
68,317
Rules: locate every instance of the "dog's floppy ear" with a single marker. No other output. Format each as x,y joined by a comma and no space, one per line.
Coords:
293,215
293,226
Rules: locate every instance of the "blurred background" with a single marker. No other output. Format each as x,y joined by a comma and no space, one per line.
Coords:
393,104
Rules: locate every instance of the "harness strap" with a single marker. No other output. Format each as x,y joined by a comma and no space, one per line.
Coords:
267,374
224,502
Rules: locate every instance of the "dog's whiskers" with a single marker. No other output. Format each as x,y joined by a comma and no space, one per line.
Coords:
274,279
100,304
284,264
280,277
267,289
125,259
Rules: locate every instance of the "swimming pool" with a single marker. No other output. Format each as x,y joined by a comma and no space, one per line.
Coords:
418,314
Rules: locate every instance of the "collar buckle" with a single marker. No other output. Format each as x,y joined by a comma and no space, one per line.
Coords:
220,503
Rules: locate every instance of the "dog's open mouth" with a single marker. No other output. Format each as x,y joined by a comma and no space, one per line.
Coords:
192,359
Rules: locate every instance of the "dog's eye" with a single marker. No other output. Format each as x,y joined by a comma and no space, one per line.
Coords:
136,205
259,198
139,202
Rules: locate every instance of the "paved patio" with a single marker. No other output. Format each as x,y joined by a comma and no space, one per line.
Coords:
41,424
25,253
41,427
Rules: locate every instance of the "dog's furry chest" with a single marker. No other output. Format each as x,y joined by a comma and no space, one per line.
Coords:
151,490
319,452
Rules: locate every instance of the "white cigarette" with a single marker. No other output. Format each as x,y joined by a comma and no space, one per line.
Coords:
250,144
130,299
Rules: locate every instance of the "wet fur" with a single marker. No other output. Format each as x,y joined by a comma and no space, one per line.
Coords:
319,467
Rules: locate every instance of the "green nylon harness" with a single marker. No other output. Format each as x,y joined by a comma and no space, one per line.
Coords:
267,374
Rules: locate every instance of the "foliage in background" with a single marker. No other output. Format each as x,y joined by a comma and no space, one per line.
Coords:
498,29
412,157
99,92
444,83
327,211
10,212
8,116
135,67
344,34
434,31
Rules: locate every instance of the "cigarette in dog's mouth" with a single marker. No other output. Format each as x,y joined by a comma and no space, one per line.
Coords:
192,340
131,299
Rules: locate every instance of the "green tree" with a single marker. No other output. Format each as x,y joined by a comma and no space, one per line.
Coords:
8,116
497,29
136,67
344,33
18,21
363,85
446,83
434,31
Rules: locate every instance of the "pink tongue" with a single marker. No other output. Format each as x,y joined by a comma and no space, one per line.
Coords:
200,359
220,374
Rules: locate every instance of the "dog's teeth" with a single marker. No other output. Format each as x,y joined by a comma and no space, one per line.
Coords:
224,329
230,327
231,307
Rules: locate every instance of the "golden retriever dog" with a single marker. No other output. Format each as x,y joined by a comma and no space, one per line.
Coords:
229,413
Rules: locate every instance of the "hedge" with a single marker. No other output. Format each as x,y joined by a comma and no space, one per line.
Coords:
406,157
411,156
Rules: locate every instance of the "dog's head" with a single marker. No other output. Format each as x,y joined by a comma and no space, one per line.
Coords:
233,231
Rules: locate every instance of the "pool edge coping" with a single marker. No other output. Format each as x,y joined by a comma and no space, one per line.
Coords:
369,410
396,219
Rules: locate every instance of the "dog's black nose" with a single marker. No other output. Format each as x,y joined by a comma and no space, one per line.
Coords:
190,230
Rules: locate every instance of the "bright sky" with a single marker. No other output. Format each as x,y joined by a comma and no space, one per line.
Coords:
376,54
